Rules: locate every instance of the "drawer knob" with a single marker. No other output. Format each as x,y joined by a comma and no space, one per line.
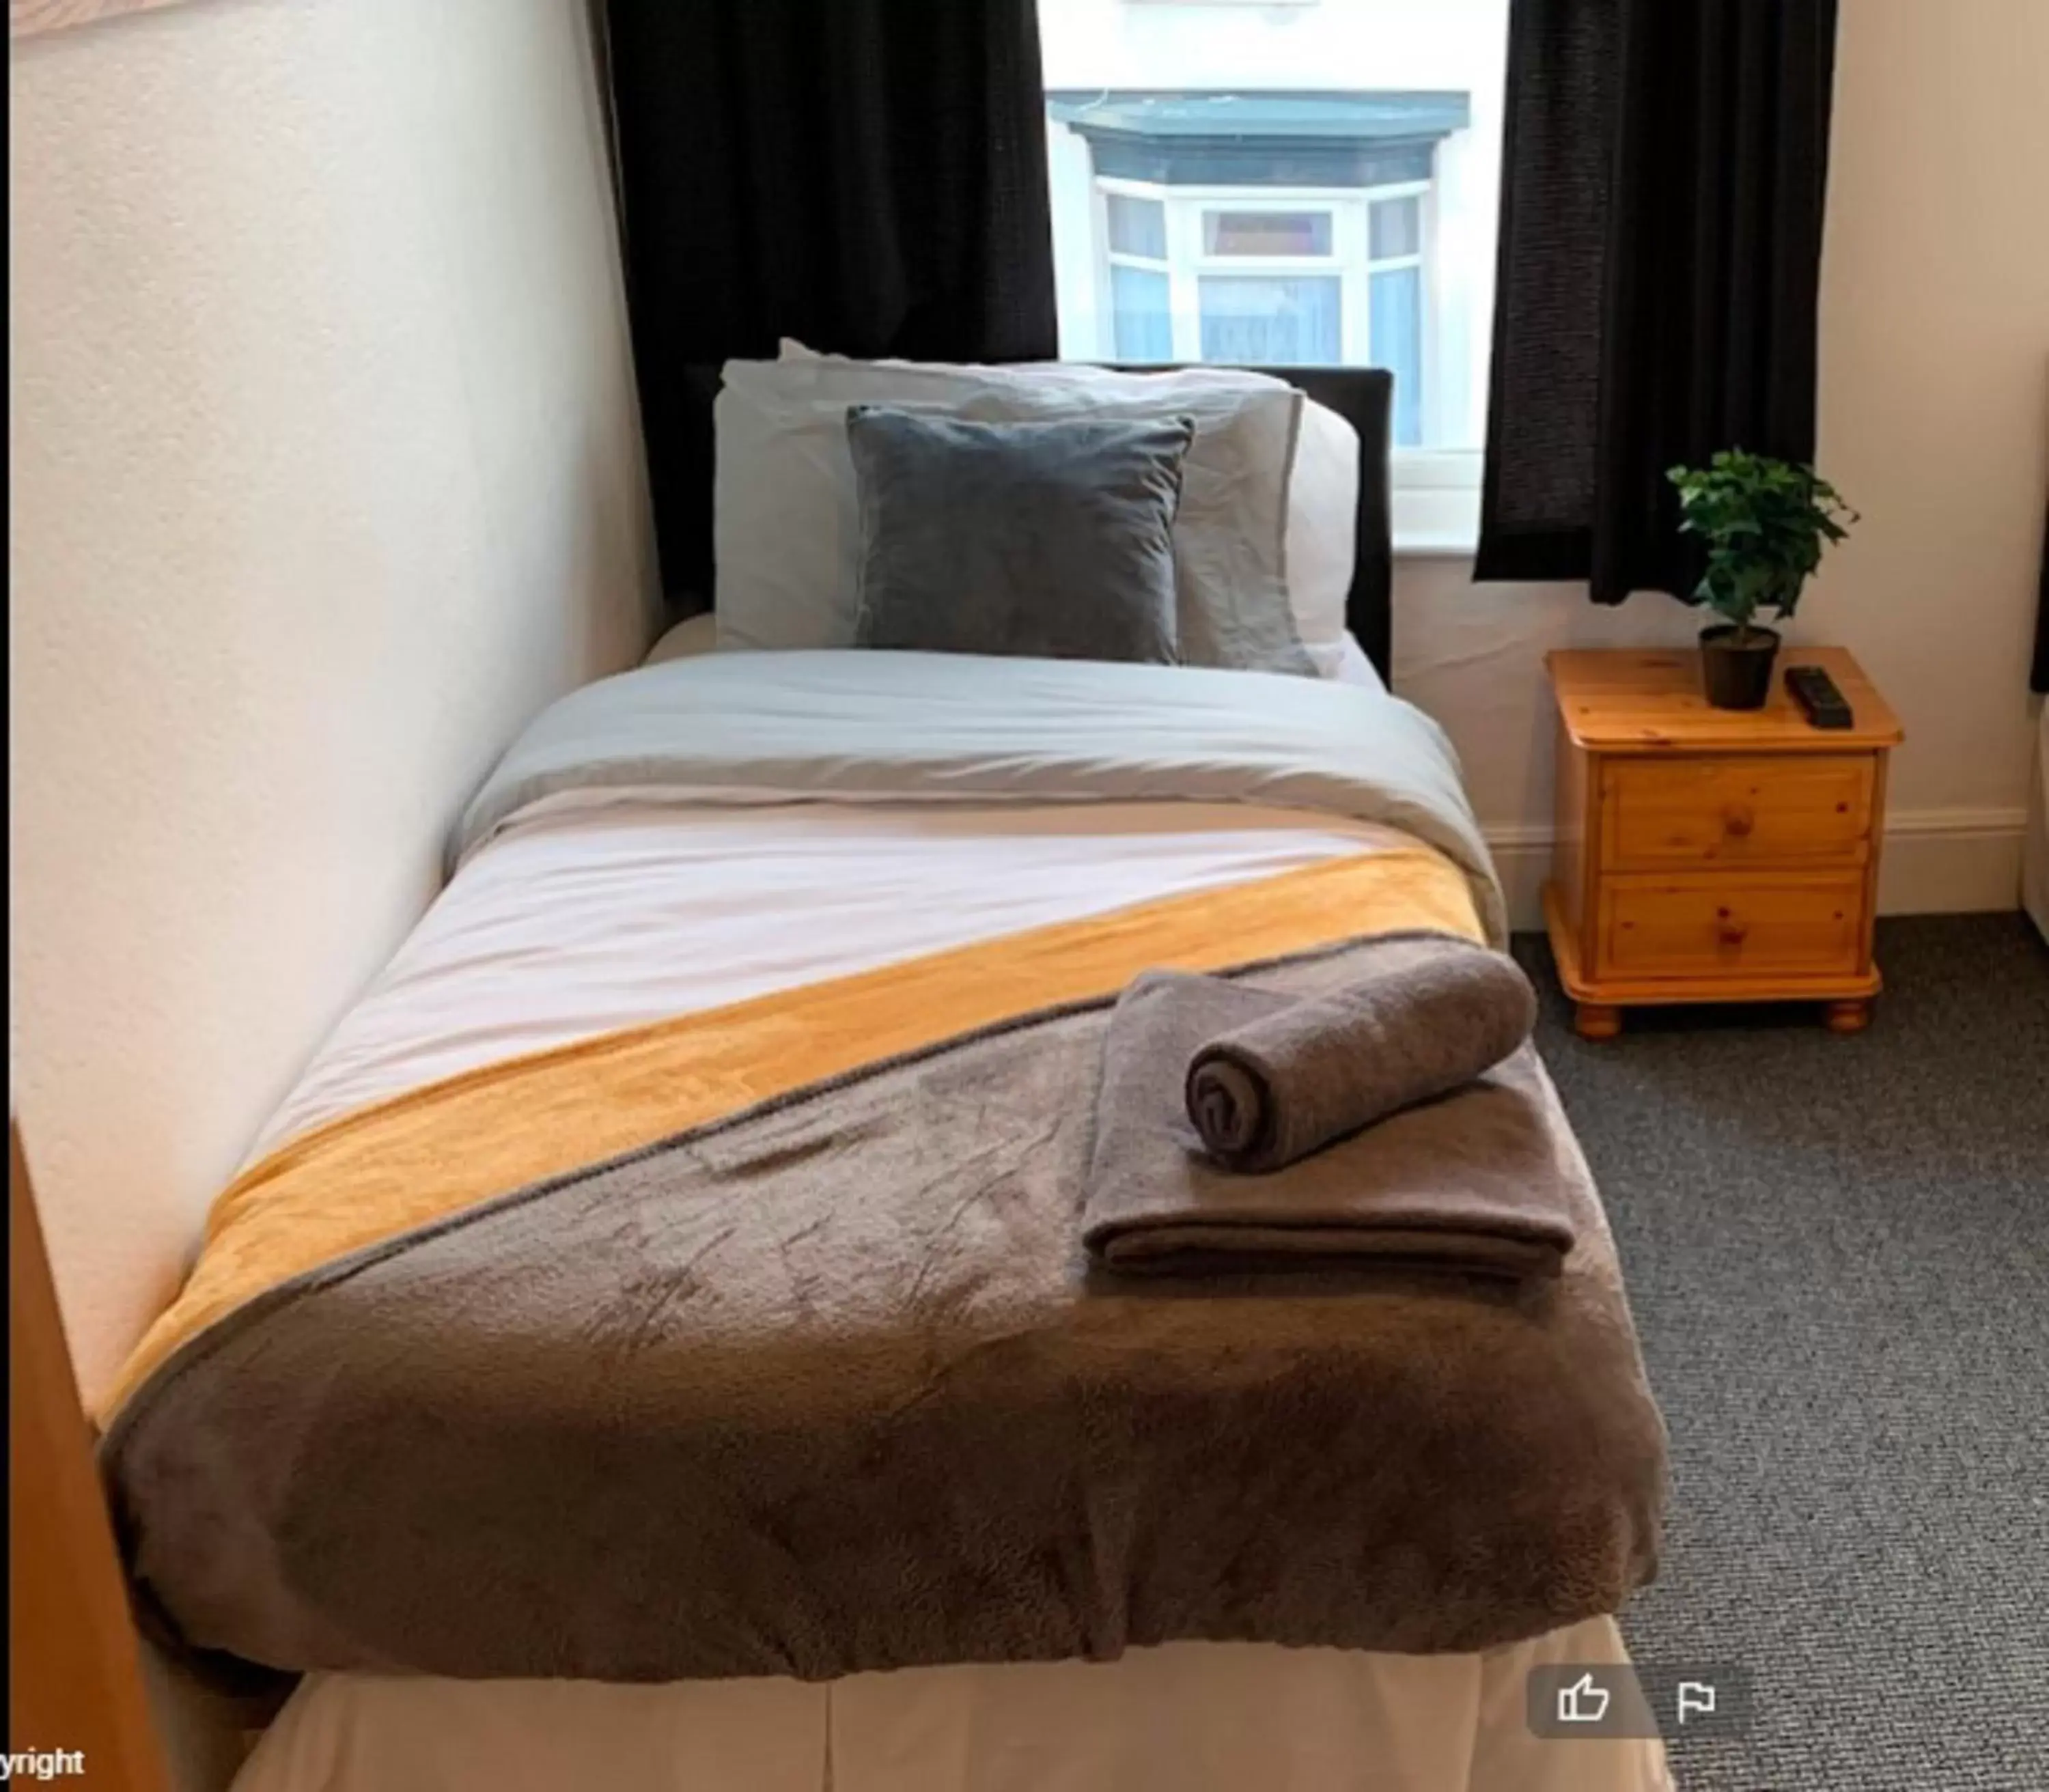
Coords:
1732,933
1738,820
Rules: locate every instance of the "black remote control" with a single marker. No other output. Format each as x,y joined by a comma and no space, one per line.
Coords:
1816,692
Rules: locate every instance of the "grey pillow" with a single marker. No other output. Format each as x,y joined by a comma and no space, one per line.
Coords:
1230,533
1053,540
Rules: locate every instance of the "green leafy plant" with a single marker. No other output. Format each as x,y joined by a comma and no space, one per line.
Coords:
1766,524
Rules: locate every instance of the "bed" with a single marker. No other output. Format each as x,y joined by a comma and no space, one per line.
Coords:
544,1396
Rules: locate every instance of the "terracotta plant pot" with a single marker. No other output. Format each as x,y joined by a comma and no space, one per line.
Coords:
1738,677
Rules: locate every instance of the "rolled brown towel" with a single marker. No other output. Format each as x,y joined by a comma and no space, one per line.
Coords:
1476,1183
1275,1090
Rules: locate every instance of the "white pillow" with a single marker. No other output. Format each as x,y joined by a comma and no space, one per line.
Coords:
1322,542
786,532
693,636
1323,532
784,529
1066,376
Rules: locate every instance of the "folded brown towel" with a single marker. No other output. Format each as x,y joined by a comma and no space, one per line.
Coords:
1478,1182
1284,1083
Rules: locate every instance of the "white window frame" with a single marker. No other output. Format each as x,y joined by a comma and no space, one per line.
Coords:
1107,258
1349,261
1348,224
1436,500
1437,507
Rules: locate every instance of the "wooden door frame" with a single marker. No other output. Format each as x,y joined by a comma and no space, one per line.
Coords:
75,1671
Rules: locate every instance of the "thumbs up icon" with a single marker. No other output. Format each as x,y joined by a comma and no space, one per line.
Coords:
1582,1702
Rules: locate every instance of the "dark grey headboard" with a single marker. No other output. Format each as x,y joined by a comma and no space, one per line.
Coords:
1363,396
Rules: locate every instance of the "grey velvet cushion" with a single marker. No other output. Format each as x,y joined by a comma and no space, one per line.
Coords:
1053,540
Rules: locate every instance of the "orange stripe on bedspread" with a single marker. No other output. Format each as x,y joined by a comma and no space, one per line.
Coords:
386,1169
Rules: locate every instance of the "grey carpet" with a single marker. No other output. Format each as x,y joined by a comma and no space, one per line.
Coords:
1838,1251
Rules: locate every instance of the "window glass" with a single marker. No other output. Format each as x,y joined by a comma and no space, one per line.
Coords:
1397,229
1143,329
1266,233
1397,345
1305,183
1138,227
1289,321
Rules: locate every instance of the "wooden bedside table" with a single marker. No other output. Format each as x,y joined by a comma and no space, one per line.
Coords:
1709,855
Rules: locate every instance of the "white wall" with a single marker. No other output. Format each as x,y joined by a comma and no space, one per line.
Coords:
1934,422
327,475
1331,43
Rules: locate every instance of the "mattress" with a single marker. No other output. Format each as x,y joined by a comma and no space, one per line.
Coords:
584,911
1187,1717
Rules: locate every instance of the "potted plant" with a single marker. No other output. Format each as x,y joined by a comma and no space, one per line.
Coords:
1766,524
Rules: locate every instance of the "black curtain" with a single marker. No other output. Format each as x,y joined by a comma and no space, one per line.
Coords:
1660,232
868,176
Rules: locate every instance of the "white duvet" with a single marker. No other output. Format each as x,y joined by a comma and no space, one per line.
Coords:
579,910
583,916
924,729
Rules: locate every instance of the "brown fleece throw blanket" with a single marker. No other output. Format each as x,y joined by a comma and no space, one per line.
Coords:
830,1386
1472,1182
1270,1081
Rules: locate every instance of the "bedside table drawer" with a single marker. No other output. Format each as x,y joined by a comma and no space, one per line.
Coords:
1721,925
1764,810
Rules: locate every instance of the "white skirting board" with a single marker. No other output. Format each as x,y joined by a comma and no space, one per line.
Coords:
2035,875
1938,861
